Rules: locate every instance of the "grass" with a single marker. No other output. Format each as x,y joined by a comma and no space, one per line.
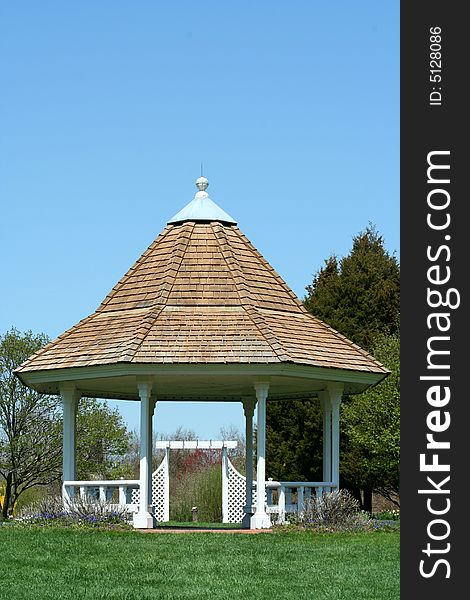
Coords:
73,563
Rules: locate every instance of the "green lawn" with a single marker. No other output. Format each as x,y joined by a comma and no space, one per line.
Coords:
59,563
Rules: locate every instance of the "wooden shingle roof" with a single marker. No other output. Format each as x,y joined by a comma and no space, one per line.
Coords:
201,293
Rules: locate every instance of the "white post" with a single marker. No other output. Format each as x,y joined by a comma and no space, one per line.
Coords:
224,485
70,397
122,495
66,499
261,520
143,519
326,410
166,485
249,409
282,504
152,405
335,392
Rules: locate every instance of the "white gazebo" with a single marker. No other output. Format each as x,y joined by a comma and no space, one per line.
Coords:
201,316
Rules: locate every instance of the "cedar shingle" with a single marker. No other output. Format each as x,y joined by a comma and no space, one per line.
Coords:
201,293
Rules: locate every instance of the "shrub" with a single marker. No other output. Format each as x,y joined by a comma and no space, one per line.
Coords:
337,510
80,511
332,511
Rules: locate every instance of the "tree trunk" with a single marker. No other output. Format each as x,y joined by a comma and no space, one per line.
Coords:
367,504
7,497
355,493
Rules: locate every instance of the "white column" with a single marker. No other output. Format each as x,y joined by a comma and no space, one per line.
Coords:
122,495
249,409
166,485
282,504
325,403
225,516
152,405
261,520
335,392
70,397
143,519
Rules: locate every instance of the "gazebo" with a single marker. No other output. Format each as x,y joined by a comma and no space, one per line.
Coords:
202,316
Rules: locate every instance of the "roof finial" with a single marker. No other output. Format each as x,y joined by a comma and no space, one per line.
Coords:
202,183
202,208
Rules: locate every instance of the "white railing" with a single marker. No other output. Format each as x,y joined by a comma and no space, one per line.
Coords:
113,492
282,497
287,497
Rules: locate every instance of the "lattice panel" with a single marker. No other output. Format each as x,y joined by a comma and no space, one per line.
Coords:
135,496
236,494
158,491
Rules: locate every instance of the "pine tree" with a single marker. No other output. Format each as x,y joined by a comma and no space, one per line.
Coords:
359,296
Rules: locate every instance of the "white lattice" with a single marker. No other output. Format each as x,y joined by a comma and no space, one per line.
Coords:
135,496
236,494
160,491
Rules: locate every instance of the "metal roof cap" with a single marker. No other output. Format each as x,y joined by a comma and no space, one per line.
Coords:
202,208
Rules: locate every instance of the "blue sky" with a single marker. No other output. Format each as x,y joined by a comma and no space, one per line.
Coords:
108,107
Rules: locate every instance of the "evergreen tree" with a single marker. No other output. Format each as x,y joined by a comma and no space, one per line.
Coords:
359,296
370,423
293,439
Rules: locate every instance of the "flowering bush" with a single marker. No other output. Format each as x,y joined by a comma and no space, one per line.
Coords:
337,511
80,511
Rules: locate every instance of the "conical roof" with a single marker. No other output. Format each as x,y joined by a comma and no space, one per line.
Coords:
201,293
